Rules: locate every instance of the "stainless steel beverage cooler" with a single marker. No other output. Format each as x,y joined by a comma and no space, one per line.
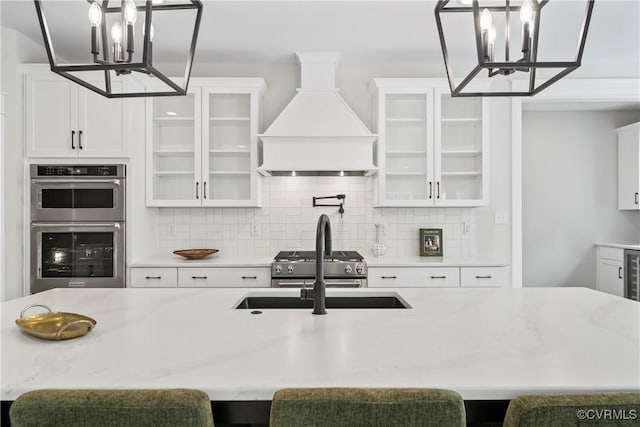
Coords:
631,274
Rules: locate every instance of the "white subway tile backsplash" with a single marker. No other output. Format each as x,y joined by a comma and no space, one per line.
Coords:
287,220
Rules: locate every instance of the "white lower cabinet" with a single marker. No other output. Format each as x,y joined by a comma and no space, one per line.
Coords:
483,277
437,277
414,277
219,277
610,271
154,278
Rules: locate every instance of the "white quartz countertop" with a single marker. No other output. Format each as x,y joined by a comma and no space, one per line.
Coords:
220,260
482,343
429,261
215,260
635,246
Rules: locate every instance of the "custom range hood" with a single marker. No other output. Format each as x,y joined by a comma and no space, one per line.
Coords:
317,133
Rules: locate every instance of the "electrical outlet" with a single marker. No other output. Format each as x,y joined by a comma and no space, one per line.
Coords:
171,230
466,228
254,229
502,217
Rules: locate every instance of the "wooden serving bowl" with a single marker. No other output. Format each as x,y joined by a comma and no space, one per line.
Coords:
195,253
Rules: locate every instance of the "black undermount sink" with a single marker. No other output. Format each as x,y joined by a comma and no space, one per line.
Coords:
282,302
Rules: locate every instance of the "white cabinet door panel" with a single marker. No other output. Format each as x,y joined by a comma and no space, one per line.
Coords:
405,277
483,277
154,277
221,277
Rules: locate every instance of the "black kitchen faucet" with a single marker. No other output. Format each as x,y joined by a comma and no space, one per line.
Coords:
323,249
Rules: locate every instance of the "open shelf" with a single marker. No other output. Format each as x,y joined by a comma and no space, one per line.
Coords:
229,119
229,173
172,119
400,153
405,174
405,120
461,153
460,173
173,173
225,151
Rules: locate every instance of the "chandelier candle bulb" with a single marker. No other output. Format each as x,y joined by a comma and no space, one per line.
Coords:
130,16
116,37
95,18
526,16
486,22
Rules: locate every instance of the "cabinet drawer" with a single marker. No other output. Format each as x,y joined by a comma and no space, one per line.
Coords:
221,277
483,276
615,254
405,277
154,277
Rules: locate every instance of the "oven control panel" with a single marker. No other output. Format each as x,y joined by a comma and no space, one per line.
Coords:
77,170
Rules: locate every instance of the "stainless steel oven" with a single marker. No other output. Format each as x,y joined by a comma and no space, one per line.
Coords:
81,255
77,193
77,226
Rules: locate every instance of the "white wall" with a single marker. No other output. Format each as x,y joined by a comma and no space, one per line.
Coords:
570,194
287,221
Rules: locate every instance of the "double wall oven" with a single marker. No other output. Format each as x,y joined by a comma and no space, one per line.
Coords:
77,226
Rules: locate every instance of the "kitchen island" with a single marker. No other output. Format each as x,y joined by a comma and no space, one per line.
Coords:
486,344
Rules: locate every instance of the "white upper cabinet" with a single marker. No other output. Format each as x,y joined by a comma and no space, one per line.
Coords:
432,149
202,149
629,167
63,119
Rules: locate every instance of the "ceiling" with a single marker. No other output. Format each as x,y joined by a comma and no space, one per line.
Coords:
364,32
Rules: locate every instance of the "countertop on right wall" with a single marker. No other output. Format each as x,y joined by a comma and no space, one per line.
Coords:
634,246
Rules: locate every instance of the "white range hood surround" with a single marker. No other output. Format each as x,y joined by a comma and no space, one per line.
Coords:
317,133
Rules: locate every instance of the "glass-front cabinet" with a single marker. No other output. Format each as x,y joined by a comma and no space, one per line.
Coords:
432,148
202,149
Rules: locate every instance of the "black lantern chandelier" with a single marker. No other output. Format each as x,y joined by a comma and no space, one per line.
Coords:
521,20
113,49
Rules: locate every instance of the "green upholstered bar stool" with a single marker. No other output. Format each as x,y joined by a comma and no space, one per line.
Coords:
360,407
588,410
101,408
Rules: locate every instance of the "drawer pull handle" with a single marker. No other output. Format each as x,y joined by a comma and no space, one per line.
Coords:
484,277
438,277
389,277
249,277
153,277
198,277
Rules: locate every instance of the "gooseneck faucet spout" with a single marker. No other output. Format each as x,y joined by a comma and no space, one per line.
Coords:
323,249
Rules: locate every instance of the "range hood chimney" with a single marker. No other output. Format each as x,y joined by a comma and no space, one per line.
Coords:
317,133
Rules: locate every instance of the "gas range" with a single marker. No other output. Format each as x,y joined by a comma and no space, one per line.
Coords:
298,268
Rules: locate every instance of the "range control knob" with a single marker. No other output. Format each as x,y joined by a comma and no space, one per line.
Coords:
278,268
290,269
360,268
348,269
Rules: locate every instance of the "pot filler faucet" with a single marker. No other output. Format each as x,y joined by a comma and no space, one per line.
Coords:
323,247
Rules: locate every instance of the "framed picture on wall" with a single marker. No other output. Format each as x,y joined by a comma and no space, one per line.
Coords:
431,242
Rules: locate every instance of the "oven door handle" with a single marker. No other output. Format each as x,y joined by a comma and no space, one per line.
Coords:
75,224
76,181
290,284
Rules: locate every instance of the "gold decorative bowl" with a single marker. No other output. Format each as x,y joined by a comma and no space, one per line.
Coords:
195,253
55,325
